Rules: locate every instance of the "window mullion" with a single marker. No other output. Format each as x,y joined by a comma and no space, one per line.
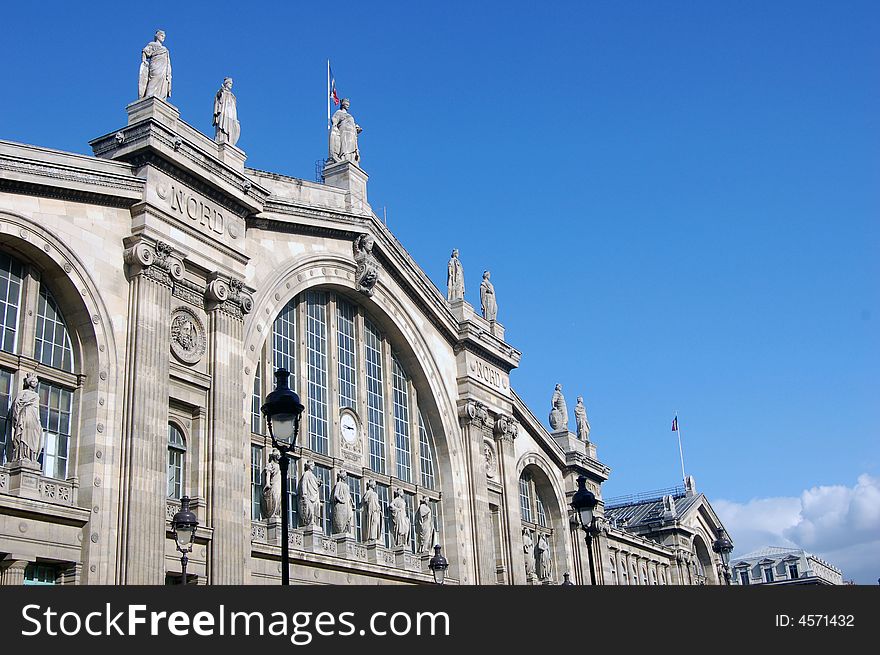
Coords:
390,431
30,297
335,447
415,441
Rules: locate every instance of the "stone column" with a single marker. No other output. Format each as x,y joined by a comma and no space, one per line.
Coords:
506,429
476,426
152,270
228,486
12,571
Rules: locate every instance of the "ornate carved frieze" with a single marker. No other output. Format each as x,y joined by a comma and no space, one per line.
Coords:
188,340
155,261
190,292
227,294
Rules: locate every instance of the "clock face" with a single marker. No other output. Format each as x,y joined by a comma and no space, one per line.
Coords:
349,427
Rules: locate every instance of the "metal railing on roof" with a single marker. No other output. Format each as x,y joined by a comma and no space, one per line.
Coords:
644,497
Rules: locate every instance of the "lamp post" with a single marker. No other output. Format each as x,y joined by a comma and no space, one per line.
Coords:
283,411
723,546
438,565
584,503
184,525
566,582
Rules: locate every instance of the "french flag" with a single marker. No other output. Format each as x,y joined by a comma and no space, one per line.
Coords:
675,424
333,95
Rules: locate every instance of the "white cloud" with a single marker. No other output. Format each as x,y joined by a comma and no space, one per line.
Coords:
839,524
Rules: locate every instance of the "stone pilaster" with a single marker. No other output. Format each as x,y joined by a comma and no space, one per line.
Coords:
152,270
12,571
228,447
476,426
506,429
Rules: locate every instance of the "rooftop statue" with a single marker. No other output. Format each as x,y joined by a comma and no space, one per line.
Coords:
27,431
558,410
487,298
226,115
343,135
454,278
155,72
580,418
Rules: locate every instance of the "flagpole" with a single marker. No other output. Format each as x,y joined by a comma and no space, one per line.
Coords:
680,451
328,95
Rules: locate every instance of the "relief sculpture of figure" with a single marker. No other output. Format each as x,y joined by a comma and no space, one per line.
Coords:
424,527
342,505
155,73
400,524
580,418
487,298
309,496
271,505
367,272
343,135
27,431
372,513
529,551
542,557
227,127
454,278
558,411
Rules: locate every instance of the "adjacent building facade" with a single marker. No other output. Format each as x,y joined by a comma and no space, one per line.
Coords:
774,565
153,289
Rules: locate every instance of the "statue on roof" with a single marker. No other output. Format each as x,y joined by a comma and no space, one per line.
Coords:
558,411
154,78
580,418
227,127
454,278
344,135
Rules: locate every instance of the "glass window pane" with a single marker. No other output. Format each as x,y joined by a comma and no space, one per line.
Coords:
55,403
316,331
52,344
375,397
426,454
347,353
5,428
284,342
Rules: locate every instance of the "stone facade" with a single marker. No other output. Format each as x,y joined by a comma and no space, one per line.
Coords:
775,565
181,279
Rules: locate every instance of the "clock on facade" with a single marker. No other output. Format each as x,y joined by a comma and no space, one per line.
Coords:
348,424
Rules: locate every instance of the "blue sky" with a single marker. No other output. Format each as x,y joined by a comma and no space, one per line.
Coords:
678,201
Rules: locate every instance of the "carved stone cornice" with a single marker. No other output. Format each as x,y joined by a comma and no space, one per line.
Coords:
227,294
154,260
476,414
506,428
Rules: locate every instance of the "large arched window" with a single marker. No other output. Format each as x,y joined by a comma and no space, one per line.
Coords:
176,461
533,510
27,307
347,372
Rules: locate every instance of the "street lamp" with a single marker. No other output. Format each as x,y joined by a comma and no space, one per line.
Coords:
283,411
723,546
584,503
438,565
184,525
566,582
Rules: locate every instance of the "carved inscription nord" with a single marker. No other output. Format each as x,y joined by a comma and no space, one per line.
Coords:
489,374
192,207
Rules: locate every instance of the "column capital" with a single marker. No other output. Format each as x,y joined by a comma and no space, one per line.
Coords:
506,428
227,294
154,259
475,413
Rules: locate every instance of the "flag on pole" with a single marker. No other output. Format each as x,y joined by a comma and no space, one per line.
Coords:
333,96
675,424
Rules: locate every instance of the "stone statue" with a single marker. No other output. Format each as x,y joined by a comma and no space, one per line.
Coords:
454,278
558,411
343,506
580,419
309,496
155,73
27,431
424,527
372,513
529,551
343,135
399,520
542,557
367,273
226,115
271,504
487,298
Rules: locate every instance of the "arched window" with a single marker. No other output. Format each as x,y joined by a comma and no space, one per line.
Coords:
533,509
613,571
653,576
644,576
635,573
176,461
22,286
348,373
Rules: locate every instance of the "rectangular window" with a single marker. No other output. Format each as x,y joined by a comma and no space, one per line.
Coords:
793,571
10,299
426,455
375,398
51,341
55,409
40,574
256,482
316,332
542,514
525,499
410,513
284,342
744,578
345,338
354,485
768,575
5,428
324,476
257,401
402,448
292,496
382,492
175,472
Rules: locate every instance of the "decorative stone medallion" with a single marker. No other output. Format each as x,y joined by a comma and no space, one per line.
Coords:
187,336
491,460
